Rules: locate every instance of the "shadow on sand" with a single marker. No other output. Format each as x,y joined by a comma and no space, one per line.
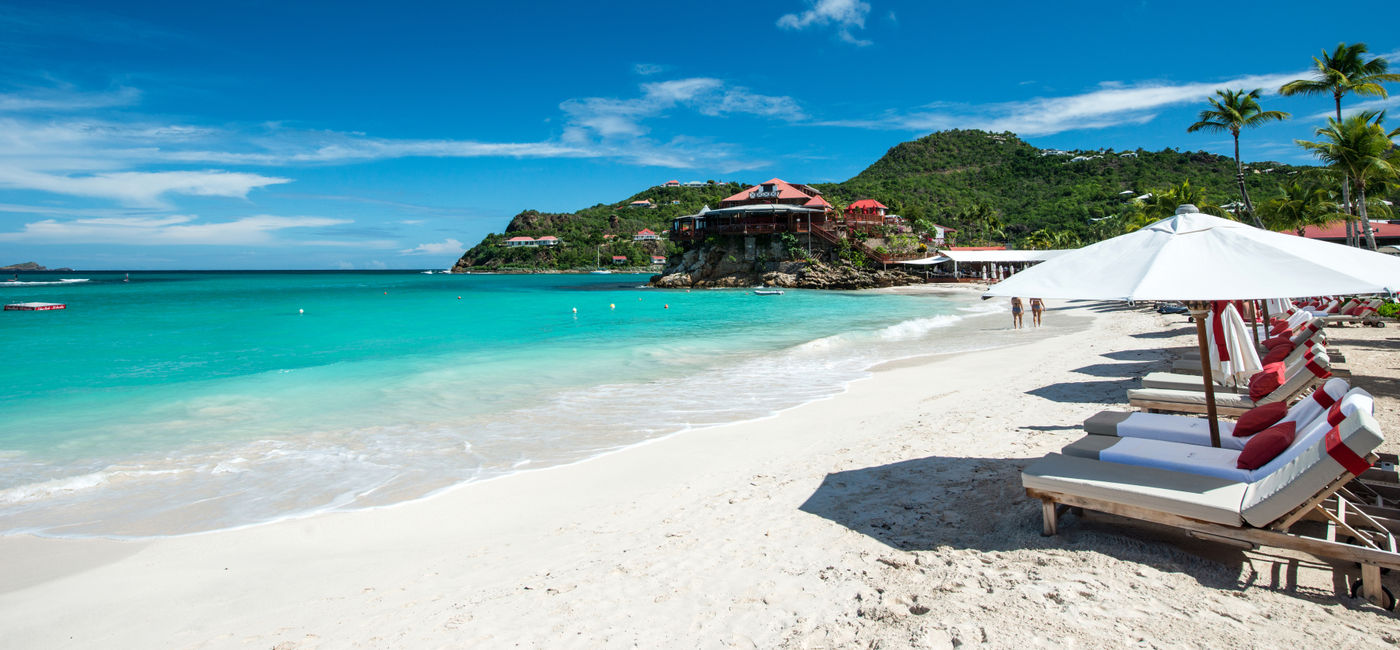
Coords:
935,503
1165,334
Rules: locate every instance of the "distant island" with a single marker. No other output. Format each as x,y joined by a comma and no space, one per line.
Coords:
31,266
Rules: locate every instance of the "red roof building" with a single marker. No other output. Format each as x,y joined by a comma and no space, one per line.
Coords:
619,259
776,190
658,259
673,183
520,241
645,234
1386,232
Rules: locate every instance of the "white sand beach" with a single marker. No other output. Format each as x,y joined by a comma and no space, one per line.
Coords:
889,516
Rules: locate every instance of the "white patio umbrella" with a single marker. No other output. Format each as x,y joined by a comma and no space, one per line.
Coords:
1193,257
1233,357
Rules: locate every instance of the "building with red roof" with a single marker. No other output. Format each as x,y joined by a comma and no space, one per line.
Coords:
673,183
658,259
1387,233
645,234
547,240
520,241
619,259
774,206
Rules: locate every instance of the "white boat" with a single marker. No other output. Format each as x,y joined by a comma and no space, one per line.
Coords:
600,272
426,272
767,292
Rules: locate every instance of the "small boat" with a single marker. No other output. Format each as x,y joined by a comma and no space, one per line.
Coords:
35,306
767,292
426,272
600,272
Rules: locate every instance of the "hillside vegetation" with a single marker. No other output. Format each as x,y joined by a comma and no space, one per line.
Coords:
991,187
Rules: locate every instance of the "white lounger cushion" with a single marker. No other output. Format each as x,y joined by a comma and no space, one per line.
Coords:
1182,429
1188,495
1308,472
1206,498
1211,461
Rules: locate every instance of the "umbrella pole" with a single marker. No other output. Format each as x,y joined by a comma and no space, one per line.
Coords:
1257,339
1199,311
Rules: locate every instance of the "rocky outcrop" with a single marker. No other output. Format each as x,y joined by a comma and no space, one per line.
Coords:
761,261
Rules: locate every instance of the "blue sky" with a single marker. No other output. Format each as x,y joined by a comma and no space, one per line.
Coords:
320,135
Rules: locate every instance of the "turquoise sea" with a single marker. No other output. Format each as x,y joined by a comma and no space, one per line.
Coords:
179,402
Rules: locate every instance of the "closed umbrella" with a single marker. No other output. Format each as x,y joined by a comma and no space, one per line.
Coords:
1233,357
1192,258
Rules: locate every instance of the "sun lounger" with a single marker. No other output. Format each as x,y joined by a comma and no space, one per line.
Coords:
1196,431
1264,512
1301,377
1312,332
1214,461
1192,381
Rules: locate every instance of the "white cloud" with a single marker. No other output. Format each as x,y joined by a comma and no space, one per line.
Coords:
1112,104
609,118
50,99
648,69
445,247
139,188
163,231
844,15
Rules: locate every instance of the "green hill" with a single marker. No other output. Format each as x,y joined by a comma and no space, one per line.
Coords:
945,176
960,179
599,232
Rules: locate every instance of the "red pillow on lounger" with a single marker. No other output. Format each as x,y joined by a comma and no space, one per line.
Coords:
1266,446
1260,418
1279,328
1277,341
1277,353
1266,381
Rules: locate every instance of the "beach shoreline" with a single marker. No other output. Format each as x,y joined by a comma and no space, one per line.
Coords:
888,514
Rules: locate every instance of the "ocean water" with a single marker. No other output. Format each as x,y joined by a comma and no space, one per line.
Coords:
184,402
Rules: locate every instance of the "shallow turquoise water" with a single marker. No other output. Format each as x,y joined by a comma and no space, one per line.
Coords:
179,402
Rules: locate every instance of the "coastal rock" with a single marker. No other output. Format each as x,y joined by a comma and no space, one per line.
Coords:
759,261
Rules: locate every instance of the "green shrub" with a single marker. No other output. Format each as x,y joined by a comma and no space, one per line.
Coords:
1389,310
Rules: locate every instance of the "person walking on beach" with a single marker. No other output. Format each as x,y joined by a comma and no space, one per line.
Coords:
1037,306
1016,313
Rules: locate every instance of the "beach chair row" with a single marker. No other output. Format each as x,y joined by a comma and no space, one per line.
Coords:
1282,476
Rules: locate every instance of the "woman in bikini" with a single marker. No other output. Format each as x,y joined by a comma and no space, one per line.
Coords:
1037,306
1016,313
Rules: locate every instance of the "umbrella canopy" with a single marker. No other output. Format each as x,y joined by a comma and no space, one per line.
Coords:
1194,256
1232,355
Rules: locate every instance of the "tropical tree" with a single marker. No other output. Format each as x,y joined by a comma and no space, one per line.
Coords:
1361,148
1302,204
1233,111
1345,70
1161,204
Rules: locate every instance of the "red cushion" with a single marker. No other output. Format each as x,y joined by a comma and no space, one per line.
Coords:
1267,445
1259,418
1266,381
1356,311
1277,353
1279,328
1277,341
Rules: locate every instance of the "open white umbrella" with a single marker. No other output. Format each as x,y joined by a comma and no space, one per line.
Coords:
1193,257
1233,357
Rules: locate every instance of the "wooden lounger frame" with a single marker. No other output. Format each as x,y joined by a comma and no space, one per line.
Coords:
1375,546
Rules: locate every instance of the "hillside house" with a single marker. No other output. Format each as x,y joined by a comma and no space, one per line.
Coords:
645,234
775,206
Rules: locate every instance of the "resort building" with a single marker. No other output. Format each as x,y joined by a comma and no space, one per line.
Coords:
1387,233
775,206
658,259
672,184
695,183
644,203
547,240
645,234
619,259
939,235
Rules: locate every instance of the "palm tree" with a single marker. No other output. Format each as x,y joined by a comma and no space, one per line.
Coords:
1302,204
1235,110
1359,146
1162,204
1344,71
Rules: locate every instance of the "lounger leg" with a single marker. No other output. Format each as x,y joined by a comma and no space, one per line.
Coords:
1371,585
1050,519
